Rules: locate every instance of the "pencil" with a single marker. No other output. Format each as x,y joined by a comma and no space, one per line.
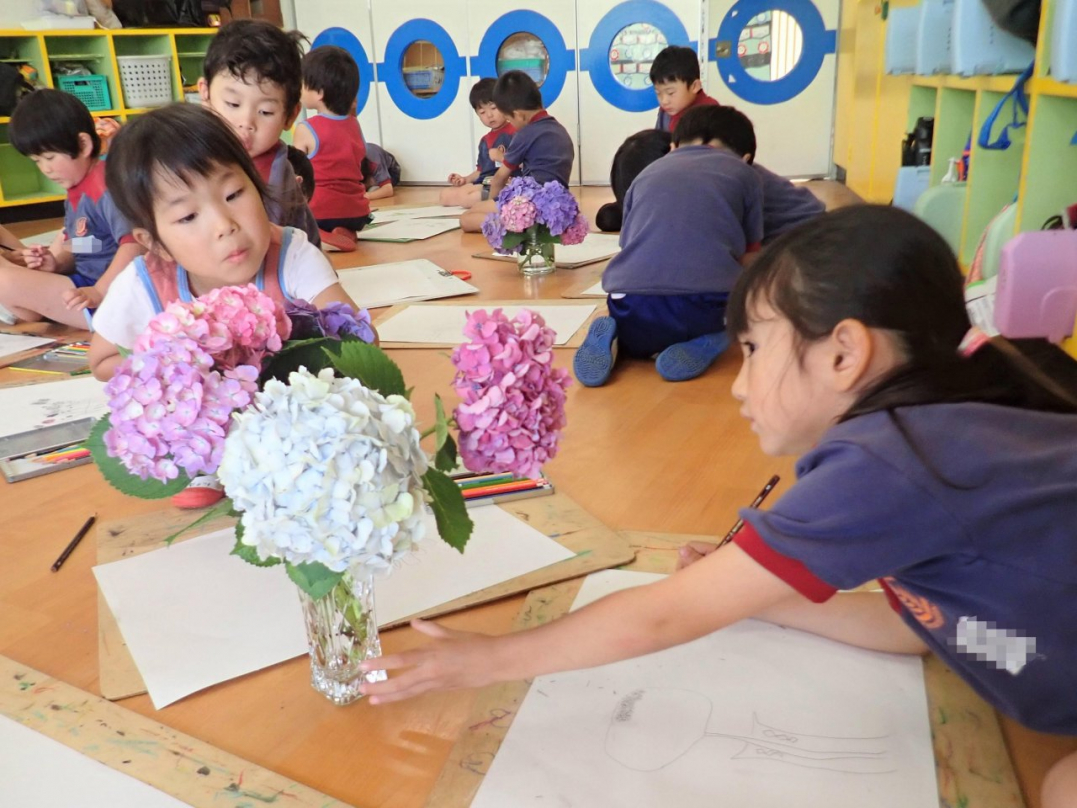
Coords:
74,543
733,531
503,488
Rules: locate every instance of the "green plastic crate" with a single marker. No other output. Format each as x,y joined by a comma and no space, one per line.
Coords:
90,90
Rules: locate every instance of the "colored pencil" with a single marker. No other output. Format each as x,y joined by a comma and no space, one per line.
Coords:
733,531
504,488
74,543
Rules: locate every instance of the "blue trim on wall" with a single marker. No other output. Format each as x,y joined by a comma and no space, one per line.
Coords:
343,38
562,60
818,43
392,74
595,57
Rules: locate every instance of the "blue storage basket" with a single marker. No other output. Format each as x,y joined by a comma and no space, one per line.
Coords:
901,40
1064,42
424,78
982,48
934,37
90,90
911,183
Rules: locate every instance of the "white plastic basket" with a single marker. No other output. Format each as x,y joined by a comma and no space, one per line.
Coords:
146,80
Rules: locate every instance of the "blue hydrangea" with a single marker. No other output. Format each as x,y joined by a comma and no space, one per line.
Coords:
557,208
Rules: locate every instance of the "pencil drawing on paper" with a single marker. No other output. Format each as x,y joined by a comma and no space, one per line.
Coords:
652,728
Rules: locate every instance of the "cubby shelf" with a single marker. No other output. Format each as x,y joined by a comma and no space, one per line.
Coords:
20,181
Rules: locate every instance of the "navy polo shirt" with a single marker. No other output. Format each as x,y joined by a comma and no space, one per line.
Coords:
688,217
969,519
543,149
493,139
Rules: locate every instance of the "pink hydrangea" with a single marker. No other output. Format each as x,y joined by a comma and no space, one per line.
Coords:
518,214
577,231
236,325
170,410
513,398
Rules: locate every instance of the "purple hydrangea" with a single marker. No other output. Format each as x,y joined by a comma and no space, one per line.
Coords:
336,321
526,187
170,411
557,208
494,230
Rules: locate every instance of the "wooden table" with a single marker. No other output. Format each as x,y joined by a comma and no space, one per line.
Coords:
639,454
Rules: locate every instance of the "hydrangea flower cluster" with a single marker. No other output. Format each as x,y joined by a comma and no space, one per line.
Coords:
236,325
327,471
513,398
525,204
336,320
171,410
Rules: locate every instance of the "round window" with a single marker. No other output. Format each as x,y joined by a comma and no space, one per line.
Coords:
631,54
526,52
770,45
423,68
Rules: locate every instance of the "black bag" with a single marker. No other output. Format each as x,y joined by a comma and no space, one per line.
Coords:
916,148
12,87
167,13
1020,17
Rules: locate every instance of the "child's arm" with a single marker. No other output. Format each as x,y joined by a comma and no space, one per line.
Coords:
303,138
90,297
863,619
497,154
57,257
104,357
718,590
380,191
499,181
460,179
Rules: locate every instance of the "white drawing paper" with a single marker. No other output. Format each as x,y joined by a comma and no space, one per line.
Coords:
596,247
980,302
35,406
193,616
444,325
11,344
594,291
43,239
37,771
752,715
394,214
408,230
401,282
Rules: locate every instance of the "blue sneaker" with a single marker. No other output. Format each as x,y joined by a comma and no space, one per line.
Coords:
593,362
686,360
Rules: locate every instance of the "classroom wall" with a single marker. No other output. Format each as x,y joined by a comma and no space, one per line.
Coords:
13,12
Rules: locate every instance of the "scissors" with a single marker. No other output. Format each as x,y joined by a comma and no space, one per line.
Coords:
462,274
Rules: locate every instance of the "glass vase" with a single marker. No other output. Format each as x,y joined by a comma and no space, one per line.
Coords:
536,257
342,632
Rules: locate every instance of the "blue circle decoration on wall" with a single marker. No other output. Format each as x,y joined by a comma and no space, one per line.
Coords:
818,42
562,60
595,59
343,38
391,71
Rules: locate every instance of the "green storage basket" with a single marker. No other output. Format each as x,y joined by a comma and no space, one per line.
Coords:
90,90
533,67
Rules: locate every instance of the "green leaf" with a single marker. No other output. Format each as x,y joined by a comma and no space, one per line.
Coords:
248,553
313,354
124,352
450,512
445,459
117,475
224,507
441,424
512,240
370,365
317,580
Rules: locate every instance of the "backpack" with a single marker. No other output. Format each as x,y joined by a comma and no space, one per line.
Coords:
12,87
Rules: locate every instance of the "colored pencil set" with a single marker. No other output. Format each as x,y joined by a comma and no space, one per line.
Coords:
71,359
490,489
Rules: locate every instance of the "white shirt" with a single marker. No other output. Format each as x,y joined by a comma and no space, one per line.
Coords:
127,307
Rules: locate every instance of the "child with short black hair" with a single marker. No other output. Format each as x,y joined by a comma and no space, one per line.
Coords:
931,459
784,205
475,187
378,172
334,143
541,148
635,154
675,77
69,278
252,77
691,221
304,171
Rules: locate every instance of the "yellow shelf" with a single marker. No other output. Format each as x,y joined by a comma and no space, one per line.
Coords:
1057,88
998,84
28,199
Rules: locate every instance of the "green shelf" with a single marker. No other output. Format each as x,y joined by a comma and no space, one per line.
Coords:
1052,161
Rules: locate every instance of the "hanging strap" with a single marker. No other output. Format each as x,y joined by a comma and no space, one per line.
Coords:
1020,105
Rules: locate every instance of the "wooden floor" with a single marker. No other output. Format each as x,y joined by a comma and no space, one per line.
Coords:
639,453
